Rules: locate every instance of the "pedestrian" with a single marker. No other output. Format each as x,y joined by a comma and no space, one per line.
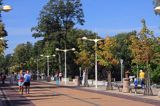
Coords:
20,79
142,78
135,84
27,79
12,78
3,78
60,76
57,78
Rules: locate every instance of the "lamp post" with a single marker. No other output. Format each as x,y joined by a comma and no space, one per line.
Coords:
65,69
95,41
157,9
37,68
80,69
121,61
47,56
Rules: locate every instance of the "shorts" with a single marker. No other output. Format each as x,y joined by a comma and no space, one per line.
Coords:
26,83
20,83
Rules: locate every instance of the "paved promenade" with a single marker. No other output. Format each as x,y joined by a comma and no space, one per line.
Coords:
47,94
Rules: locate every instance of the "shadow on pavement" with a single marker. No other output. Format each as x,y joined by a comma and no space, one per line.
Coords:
18,102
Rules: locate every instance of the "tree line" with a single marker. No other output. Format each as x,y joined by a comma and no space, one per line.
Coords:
57,29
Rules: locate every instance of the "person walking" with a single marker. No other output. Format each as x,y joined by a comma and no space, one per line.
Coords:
135,84
57,78
12,78
3,78
20,79
141,77
27,79
60,76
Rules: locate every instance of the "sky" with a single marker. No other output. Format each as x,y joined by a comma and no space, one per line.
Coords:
105,17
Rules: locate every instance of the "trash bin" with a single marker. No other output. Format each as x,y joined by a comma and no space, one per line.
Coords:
159,94
49,79
77,81
126,83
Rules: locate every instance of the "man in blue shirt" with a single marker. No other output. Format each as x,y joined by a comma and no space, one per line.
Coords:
27,79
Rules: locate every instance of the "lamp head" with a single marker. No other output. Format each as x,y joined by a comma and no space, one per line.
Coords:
6,8
1,38
84,38
157,9
53,55
57,49
73,49
41,55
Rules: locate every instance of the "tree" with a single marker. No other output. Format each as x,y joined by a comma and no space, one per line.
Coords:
107,58
56,20
22,54
122,50
3,43
85,53
142,48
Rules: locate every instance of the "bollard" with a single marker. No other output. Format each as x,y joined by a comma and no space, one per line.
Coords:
77,81
126,83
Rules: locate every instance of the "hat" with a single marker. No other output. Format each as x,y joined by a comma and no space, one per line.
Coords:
141,70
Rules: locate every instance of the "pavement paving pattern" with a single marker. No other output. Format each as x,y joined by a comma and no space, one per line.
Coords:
44,94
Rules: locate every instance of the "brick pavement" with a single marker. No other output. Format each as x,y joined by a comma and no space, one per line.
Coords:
44,94
11,97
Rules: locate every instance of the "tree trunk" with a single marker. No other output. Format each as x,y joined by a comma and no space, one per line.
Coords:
85,77
59,59
109,85
148,89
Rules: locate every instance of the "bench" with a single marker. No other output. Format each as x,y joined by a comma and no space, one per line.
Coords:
135,89
119,86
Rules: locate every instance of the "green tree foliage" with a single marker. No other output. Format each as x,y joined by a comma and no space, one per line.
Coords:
85,53
3,33
122,50
57,18
55,23
22,54
142,46
107,58
3,43
144,52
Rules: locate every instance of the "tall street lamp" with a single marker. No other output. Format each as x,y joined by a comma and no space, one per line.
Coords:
47,56
65,52
5,8
95,41
37,68
121,61
157,9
